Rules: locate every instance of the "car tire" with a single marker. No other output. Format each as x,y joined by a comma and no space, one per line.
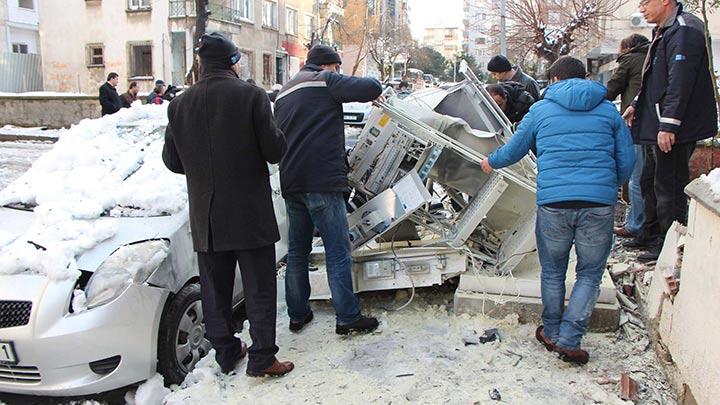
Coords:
181,337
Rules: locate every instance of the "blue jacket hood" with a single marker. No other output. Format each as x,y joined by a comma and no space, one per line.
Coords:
576,94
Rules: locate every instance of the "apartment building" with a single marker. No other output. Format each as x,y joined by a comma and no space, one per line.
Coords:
480,19
146,40
446,40
19,46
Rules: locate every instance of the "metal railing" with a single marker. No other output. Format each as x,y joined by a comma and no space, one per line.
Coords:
218,12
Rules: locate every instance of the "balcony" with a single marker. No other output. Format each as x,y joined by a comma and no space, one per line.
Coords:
218,12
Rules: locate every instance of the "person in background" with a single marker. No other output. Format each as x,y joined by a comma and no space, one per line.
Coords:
502,71
109,100
130,96
313,177
584,153
404,89
156,97
512,98
674,109
625,82
221,135
275,90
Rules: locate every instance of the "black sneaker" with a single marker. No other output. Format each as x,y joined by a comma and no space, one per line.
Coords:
650,255
363,325
638,243
297,326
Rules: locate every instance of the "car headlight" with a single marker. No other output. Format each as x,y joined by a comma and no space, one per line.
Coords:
129,264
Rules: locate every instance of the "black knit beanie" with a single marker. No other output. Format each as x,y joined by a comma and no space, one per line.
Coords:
499,64
216,47
323,55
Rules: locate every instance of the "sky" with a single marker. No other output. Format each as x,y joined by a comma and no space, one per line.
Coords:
432,13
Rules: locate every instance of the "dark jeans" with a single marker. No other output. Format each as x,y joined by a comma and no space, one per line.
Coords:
217,276
327,213
663,182
556,231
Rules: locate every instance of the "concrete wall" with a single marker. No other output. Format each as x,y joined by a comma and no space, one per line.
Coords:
688,324
47,111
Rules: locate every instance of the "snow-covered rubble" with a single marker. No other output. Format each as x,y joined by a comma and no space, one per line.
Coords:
99,169
713,181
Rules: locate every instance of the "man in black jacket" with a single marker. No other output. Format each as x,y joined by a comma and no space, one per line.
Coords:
221,135
512,98
502,70
313,176
109,99
674,109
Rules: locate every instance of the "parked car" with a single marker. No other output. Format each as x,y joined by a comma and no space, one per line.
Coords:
356,113
142,315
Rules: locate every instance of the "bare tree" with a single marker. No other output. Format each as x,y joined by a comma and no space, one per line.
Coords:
353,29
551,29
387,40
201,22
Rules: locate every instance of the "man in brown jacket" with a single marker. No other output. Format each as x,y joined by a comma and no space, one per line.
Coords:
221,135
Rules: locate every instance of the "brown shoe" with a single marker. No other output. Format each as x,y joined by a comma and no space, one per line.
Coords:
623,232
576,356
540,336
243,353
278,369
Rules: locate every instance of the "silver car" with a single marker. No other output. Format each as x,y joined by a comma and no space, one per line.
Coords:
138,319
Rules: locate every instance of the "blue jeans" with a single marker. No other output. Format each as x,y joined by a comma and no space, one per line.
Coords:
591,230
327,213
636,215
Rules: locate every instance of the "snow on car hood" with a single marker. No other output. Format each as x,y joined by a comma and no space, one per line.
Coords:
99,170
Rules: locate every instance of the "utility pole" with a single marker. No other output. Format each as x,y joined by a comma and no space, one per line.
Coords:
503,28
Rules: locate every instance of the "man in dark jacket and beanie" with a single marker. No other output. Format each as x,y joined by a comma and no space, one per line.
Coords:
221,135
674,109
501,70
626,82
313,176
109,98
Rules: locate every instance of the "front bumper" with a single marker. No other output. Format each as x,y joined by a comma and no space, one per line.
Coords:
56,347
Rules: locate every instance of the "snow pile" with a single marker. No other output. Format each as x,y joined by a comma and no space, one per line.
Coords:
151,392
108,166
51,244
91,168
713,181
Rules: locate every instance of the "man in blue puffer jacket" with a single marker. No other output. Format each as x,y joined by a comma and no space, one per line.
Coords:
584,153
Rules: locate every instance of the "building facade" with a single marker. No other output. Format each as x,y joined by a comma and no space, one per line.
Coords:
446,40
146,40
19,46
480,20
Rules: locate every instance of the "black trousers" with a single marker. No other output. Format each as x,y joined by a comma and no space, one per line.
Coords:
217,275
662,184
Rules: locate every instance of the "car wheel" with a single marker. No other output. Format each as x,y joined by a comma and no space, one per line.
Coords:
181,338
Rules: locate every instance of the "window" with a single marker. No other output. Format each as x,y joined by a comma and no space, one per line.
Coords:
138,4
292,21
267,68
244,7
246,65
309,25
19,48
269,16
28,4
141,59
480,41
96,55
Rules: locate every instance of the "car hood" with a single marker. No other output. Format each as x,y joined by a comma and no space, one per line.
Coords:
16,222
